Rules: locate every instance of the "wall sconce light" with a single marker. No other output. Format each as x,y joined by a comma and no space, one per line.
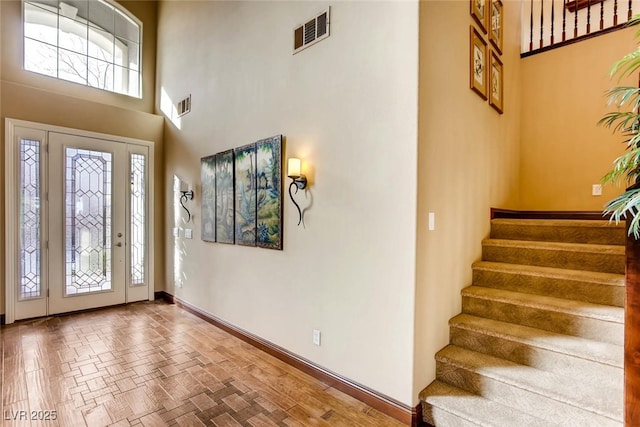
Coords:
186,195
297,179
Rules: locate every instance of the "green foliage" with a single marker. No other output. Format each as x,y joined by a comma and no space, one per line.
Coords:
626,121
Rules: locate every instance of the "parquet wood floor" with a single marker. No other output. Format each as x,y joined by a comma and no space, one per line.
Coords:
154,364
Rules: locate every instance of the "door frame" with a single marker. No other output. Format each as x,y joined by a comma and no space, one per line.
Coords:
12,199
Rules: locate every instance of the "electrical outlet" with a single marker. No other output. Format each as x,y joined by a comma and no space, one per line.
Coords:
188,233
316,337
176,232
596,190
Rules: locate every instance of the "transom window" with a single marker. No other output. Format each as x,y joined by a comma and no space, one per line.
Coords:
92,42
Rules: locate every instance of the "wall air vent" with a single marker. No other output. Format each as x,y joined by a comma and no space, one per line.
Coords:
184,106
311,32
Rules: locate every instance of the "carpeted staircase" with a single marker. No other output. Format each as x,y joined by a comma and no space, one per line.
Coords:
540,338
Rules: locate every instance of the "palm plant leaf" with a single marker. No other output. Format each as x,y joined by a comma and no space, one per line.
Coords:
626,121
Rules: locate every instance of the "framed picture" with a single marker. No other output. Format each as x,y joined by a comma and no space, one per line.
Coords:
208,184
245,195
496,93
480,13
224,197
496,21
478,64
269,195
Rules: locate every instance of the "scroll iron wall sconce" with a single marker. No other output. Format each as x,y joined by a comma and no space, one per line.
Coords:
185,196
298,180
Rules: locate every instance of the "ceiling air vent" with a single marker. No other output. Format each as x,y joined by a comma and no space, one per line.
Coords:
311,32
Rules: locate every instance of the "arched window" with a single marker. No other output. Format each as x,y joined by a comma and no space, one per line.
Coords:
92,42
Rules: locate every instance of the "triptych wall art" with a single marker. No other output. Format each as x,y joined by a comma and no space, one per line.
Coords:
485,63
242,195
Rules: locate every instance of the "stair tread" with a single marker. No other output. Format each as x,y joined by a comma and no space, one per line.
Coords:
610,279
606,401
558,246
600,352
572,307
476,409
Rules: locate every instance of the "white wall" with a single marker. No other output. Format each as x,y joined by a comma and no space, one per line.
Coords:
348,108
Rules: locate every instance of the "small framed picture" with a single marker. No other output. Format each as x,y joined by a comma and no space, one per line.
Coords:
495,24
480,13
496,93
478,64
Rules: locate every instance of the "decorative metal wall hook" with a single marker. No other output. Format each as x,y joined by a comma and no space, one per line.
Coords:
185,196
298,180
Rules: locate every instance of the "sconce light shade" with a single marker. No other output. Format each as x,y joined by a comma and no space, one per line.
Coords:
293,168
298,180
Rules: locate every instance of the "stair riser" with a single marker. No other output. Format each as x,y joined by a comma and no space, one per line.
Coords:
590,261
597,374
440,418
563,323
554,411
592,292
593,235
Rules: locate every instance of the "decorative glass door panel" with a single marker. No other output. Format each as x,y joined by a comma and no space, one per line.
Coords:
138,223
30,220
88,218
25,203
138,219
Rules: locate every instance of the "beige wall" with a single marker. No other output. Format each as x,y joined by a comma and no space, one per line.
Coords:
468,162
564,152
31,97
348,108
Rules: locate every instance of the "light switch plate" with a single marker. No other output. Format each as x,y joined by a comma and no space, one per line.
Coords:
596,190
188,233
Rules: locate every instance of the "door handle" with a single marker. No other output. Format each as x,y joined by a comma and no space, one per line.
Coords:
119,234
119,244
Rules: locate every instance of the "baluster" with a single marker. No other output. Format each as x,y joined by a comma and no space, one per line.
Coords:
542,23
564,20
588,16
615,12
575,23
553,3
531,28
601,14
629,14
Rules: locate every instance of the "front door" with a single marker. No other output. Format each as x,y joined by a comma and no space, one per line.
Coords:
83,225
86,223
